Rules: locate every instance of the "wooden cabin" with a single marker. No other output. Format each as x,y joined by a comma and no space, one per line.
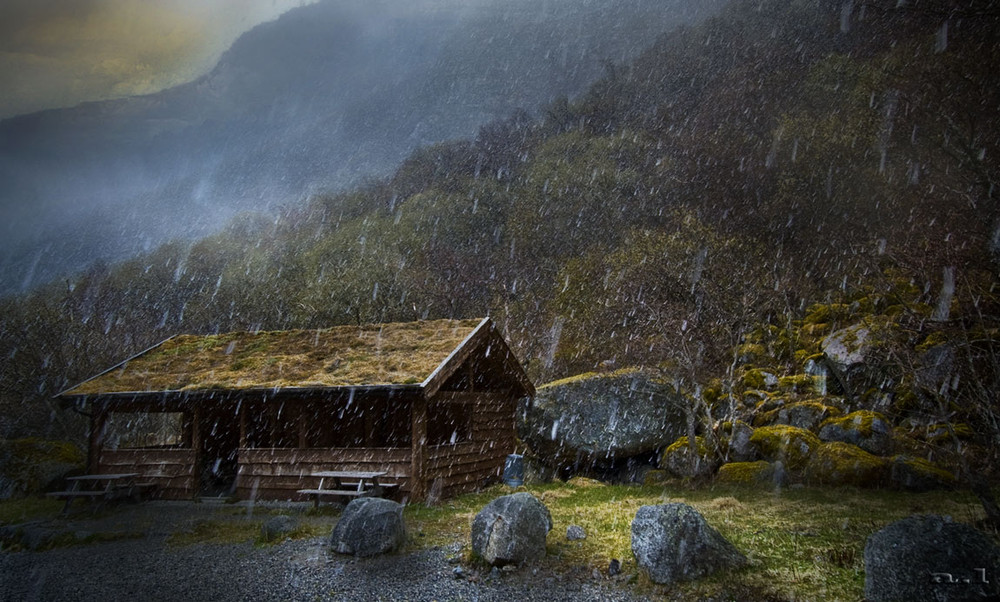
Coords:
255,414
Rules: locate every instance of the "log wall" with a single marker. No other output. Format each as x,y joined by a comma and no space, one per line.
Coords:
171,470
277,473
470,465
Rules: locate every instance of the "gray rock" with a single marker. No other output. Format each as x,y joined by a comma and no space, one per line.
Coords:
740,448
575,532
674,543
369,526
930,558
847,346
278,527
511,530
599,419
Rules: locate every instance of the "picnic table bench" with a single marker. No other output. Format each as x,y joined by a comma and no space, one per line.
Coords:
347,483
102,488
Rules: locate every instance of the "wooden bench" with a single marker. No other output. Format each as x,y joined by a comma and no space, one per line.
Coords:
363,484
115,486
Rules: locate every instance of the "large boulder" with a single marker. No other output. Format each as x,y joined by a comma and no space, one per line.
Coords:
673,542
930,558
595,419
511,530
868,430
369,526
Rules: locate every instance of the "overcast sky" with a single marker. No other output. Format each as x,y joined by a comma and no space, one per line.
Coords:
57,53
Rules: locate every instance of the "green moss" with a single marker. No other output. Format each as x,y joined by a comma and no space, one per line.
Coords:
932,340
838,463
802,412
823,313
753,379
676,458
860,421
942,433
590,376
745,473
751,352
799,383
789,444
918,473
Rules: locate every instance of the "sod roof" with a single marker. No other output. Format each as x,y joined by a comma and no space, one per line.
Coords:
379,354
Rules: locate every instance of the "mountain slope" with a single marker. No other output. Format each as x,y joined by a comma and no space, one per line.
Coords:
321,98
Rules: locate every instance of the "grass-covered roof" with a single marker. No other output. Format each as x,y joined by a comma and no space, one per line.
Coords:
379,354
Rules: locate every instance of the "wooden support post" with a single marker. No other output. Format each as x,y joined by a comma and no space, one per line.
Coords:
243,425
303,426
418,480
196,450
98,421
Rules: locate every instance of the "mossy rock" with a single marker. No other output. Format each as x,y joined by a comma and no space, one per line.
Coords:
837,463
767,401
736,440
868,430
789,444
946,433
917,474
677,459
756,473
800,383
655,477
822,313
754,379
32,465
802,414
749,353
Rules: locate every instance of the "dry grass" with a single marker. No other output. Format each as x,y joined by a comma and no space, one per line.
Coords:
399,353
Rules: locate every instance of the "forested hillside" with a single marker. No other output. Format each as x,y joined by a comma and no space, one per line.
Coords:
700,199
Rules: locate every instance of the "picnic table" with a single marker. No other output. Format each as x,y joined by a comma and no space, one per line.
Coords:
101,488
347,483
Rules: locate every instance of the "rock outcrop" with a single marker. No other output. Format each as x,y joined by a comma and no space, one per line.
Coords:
594,420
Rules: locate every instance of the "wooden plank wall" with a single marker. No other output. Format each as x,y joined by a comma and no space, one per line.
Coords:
277,473
470,465
170,469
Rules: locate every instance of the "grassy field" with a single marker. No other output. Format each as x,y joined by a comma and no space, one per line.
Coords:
803,544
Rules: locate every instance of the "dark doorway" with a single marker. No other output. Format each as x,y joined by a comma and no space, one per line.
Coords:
220,440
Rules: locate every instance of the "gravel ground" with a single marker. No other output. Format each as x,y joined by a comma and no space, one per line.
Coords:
146,568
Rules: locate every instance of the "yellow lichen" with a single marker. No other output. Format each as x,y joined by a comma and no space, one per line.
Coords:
838,463
745,473
789,444
860,421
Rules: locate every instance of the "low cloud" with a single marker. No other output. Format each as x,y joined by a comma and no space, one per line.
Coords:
56,53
